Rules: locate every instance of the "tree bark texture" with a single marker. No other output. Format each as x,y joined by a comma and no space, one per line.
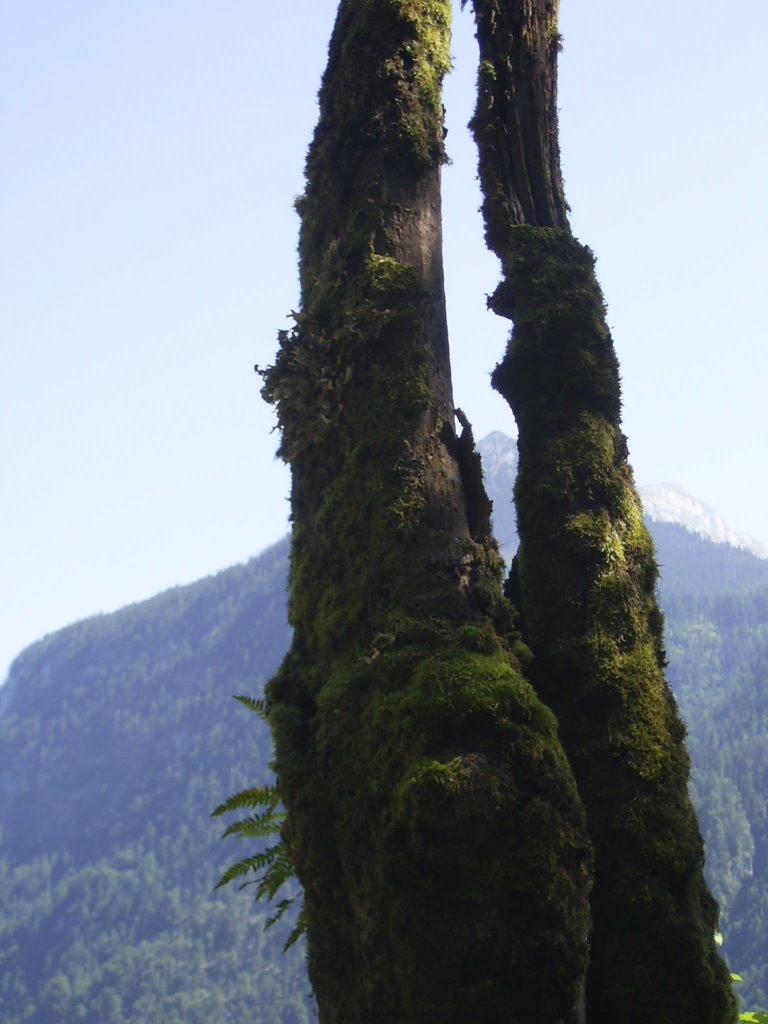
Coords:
585,575
432,816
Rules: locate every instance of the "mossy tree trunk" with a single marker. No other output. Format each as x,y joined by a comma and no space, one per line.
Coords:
432,816
585,575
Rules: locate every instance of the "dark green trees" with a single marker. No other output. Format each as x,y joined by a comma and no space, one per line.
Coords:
433,818
585,575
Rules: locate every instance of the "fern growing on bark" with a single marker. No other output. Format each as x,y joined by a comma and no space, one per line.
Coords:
272,866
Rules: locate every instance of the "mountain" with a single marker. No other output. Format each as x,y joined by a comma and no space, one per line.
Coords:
118,736
690,564
669,503
696,550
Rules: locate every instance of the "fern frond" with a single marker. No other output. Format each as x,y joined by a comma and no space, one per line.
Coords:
280,909
256,704
272,867
256,796
255,863
298,930
256,827
279,872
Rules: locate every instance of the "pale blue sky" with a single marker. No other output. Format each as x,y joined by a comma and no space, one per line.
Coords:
151,154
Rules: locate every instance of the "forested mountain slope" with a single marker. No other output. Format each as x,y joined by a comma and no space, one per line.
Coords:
691,565
118,736
718,651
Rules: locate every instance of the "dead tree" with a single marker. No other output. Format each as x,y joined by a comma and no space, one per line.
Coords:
433,819
585,575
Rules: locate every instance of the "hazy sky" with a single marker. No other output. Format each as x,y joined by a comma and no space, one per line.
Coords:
151,153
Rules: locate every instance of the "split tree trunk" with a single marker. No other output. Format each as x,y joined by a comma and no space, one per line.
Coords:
585,575
432,816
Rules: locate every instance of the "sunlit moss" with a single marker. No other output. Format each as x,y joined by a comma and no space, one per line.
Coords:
432,814
586,579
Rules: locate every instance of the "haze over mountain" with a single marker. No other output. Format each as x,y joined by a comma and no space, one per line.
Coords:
118,736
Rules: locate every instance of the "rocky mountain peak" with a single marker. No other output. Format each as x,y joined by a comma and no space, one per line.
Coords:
669,503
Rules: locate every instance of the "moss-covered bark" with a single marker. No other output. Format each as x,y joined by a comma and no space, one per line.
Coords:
585,574
432,815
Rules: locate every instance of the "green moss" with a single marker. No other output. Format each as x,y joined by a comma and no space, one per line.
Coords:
452,763
461,768
482,638
587,576
426,788
487,70
429,51
390,278
452,775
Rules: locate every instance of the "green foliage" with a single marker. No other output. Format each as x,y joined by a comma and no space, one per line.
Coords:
272,866
751,1016
114,740
691,565
718,648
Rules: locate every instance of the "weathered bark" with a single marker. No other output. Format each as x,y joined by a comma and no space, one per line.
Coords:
585,575
432,816
516,120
